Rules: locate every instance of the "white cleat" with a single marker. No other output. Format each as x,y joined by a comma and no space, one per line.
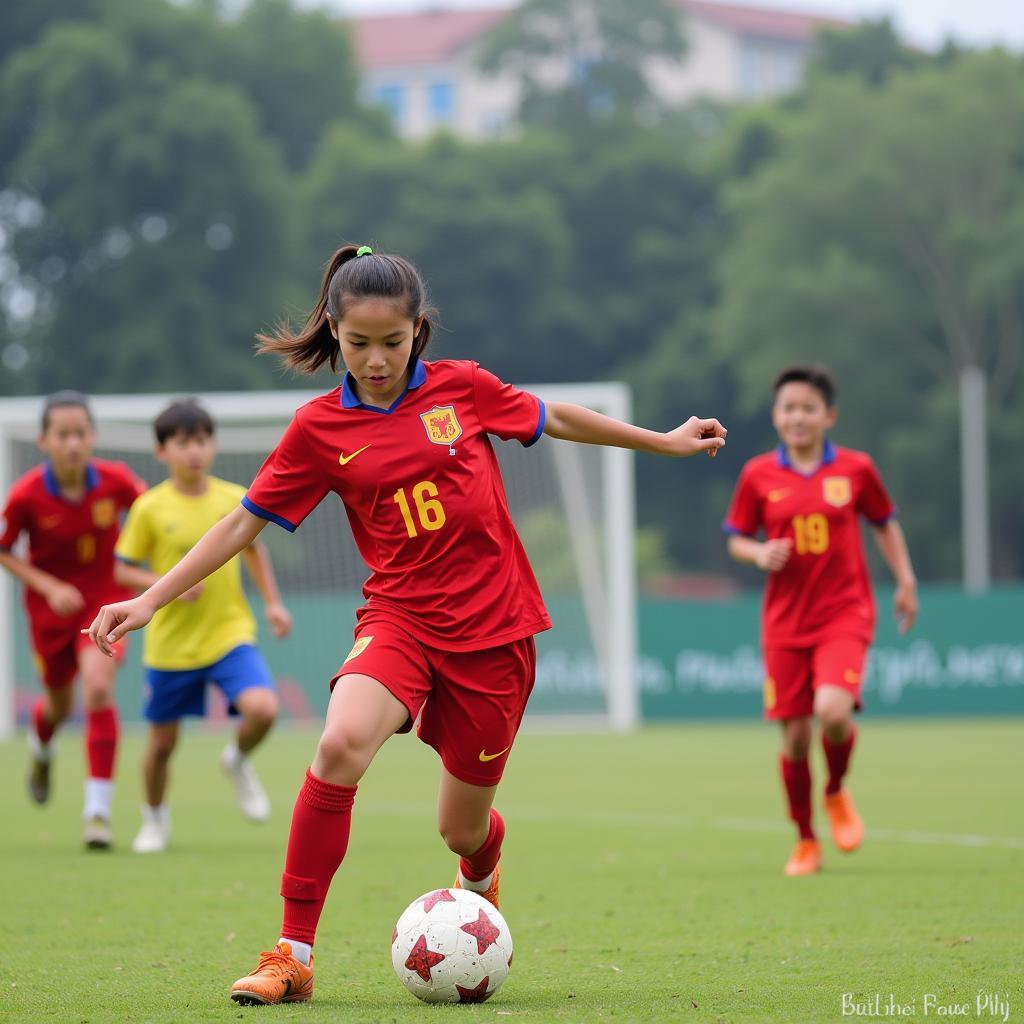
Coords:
252,798
153,837
97,834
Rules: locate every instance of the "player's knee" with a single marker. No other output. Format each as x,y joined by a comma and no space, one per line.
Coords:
462,838
342,754
261,707
161,747
834,716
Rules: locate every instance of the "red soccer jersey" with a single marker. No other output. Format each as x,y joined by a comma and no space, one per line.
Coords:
73,541
424,497
823,590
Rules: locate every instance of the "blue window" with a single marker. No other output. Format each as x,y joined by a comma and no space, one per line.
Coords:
392,97
441,101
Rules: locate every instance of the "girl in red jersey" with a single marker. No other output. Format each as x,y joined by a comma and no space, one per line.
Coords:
818,617
452,605
70,507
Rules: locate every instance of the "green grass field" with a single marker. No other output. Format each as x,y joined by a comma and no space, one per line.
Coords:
642,882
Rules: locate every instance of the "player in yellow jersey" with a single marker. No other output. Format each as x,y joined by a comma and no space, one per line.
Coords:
209,634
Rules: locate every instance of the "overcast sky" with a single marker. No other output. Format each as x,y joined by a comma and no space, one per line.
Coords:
924,22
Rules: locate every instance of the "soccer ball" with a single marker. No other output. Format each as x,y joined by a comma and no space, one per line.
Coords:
451,946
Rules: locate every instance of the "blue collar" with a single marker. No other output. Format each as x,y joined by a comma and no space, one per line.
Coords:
350,400
92,478
828,456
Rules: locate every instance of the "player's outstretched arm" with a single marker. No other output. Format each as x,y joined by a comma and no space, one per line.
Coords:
219,544
893,546
570,422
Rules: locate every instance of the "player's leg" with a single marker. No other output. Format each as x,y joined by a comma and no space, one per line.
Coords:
57,666
155,832
244,678
472,719
789,700
101,734
362,714
474,830
838,669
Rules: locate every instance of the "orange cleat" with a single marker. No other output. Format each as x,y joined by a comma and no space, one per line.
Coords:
491,892
805,858
278,978
847,826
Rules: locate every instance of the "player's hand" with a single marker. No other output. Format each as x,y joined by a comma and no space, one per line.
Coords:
774,554
905,605
192,594
279,619
696,435
64,599
114,620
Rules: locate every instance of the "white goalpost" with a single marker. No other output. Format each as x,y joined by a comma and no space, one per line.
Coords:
573,506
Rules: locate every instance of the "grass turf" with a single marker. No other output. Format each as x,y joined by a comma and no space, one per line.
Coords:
642,882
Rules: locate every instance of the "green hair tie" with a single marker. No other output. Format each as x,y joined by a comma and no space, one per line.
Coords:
364,250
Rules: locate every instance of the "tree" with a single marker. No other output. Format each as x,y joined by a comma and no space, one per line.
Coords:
162,226
872,51
887,239
581,61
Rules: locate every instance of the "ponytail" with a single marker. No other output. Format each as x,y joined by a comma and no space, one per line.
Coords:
352,273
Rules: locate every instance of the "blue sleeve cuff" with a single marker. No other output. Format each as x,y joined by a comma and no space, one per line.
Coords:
542,418
251,506
735,531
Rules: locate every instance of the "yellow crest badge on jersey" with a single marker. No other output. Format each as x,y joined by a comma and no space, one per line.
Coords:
837,490
442,425
104,512
358,647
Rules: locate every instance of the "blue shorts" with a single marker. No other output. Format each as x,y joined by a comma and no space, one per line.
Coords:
174,693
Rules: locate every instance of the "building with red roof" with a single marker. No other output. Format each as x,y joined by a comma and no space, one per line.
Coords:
423,68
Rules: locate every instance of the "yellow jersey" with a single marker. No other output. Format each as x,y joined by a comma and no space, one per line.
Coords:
162,526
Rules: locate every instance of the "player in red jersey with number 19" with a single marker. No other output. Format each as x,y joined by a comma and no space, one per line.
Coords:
451,603
818,618
70,507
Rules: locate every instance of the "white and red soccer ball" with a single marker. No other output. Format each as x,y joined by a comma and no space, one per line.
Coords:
451,946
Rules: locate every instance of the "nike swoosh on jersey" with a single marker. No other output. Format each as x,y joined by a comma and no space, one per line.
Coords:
344,459
484,756
779,494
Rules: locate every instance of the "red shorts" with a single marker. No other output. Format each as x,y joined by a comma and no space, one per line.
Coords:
55,651
472,702
792,674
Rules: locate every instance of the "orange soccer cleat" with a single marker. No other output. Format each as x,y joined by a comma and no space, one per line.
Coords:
847,826
805,858
490,893
278,978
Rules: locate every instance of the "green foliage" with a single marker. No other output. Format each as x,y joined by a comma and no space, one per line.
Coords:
583,61
872,51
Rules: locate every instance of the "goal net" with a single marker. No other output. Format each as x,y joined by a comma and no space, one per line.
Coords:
572,505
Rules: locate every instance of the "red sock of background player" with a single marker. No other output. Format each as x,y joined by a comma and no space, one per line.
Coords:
838,757
796,778
101,731
477,869
44,728
316,847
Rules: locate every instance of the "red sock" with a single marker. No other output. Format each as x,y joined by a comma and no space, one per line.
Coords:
101,742
43,726
485,860
838,757
796,777
316,847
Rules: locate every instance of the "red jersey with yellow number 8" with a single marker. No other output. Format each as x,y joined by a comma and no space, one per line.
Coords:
423,493
73,541
824,589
